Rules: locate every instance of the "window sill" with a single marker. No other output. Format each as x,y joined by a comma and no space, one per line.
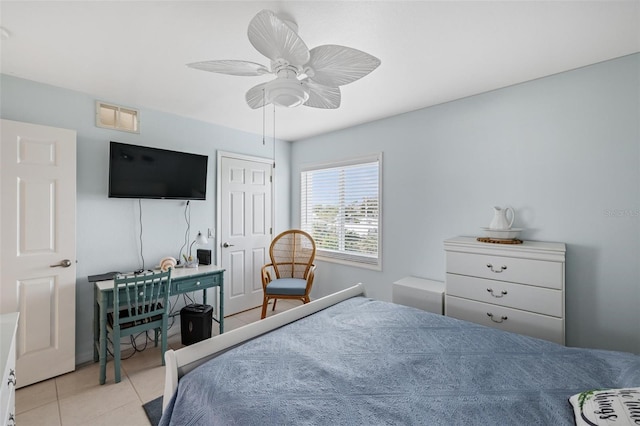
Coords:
370,266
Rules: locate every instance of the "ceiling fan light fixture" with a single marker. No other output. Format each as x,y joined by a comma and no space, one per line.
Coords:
287,92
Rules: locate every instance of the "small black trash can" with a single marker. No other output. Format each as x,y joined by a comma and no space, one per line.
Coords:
195,323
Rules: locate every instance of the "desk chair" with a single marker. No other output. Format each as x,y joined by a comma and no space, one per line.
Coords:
140,304
292,253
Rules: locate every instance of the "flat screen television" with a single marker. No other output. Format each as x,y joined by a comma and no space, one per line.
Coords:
144,172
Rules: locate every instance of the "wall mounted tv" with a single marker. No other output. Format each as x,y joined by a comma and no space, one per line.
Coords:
143,172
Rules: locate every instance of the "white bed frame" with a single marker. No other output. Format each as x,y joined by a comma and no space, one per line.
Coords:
180,362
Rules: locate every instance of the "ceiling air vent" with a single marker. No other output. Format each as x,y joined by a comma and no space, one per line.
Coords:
117,117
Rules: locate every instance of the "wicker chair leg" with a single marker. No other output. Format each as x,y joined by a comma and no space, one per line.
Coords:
265,302
274,305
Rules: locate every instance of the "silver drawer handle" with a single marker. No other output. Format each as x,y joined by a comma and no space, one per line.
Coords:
502,268
502,318
502,293
12,378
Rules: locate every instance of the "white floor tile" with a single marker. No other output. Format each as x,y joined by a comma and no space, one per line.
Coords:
85,377
36,395
102,399
148,383
130,415
46,415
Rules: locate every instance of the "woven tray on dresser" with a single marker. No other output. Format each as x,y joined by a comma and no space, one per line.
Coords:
498,241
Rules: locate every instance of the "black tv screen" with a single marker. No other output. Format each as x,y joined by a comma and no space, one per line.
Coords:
143,172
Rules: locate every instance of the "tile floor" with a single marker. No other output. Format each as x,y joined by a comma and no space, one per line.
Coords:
77,399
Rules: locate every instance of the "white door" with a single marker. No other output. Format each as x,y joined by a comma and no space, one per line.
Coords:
38,251
244,227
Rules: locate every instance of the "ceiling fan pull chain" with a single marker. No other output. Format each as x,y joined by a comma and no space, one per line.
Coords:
264,106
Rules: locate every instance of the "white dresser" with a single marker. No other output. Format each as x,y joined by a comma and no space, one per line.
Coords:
517,288
8,327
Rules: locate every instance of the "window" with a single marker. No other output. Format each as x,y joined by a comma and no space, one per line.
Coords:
340,208
117,117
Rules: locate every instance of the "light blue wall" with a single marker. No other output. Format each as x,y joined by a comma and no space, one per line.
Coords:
108,229
564,151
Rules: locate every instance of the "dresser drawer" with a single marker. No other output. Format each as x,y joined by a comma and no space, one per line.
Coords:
519,296
7,393
197,283
8,325
507,319
518,270
11,409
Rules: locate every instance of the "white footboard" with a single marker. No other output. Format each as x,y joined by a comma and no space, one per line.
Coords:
183,360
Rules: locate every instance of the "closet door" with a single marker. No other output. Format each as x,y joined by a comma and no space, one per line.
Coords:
245,230
38,249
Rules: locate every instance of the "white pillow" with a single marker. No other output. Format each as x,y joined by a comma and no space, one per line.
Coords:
607,407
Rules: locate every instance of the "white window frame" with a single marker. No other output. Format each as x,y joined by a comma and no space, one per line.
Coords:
342,257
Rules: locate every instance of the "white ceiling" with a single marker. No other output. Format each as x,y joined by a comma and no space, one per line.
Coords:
134,53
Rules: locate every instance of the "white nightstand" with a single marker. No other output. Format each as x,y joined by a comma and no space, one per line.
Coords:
420,293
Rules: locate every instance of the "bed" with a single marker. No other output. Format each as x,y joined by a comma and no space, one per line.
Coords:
349,359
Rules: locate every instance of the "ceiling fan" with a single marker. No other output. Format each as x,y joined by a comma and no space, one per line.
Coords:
303,76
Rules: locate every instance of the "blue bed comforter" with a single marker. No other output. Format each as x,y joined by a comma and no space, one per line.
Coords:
366,362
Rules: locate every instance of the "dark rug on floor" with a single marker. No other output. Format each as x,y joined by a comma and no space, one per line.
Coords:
154,410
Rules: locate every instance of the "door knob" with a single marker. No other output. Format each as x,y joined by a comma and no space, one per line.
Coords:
64,263
225,245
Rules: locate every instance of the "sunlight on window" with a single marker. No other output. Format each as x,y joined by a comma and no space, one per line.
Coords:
341,210
116,117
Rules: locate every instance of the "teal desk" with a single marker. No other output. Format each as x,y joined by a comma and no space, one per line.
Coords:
183,280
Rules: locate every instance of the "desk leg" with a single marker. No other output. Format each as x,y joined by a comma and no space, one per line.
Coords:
96,325
221,304
103,338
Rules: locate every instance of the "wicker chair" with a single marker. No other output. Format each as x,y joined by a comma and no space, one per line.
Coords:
292,253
